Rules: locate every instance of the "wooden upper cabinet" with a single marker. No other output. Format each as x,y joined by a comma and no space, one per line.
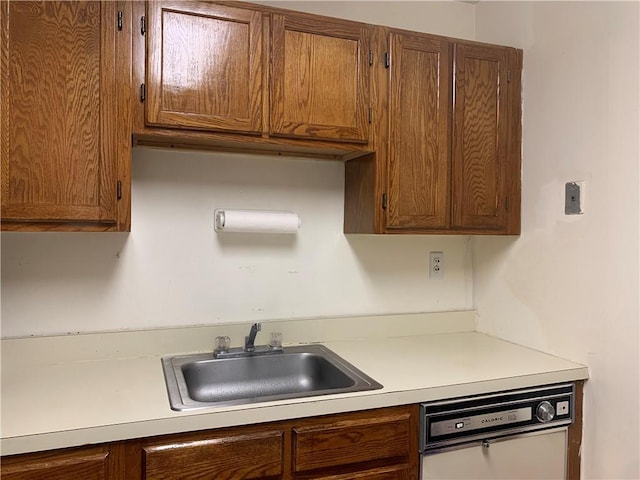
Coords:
480,136
58,113
418,150
319,78
204,66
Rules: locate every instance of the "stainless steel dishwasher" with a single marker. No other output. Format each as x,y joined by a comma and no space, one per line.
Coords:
518,434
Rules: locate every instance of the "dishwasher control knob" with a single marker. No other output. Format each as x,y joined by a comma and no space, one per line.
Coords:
545,412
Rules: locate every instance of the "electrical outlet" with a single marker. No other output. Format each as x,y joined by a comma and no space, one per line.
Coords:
436,265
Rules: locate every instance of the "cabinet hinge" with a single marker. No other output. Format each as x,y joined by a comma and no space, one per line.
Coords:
119,190
370,57
143,92
384,201
143,25
120,15
508,75
387,60
370,115
506,203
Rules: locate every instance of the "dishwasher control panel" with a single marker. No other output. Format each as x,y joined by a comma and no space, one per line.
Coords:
482,417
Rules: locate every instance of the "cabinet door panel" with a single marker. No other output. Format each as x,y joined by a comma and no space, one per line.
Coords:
86,464
232,457
418,141
204,67
58,111
320,79
480,136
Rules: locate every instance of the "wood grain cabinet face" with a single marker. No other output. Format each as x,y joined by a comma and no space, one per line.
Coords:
350,443
453,161
418,159
93,463
319,78
379,444
59,112
250,456
480,137
204,66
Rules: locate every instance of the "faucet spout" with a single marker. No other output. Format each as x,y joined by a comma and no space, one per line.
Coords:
249,340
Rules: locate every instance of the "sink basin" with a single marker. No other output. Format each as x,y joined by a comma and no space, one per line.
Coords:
201,381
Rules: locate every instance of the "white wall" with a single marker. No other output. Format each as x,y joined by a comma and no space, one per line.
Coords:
569,284
450,18
173,269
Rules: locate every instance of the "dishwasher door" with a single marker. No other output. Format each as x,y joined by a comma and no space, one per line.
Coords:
536,456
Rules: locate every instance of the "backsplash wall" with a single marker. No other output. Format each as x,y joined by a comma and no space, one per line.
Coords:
173,269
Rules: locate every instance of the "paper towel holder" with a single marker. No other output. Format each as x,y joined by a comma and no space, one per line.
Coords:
256,221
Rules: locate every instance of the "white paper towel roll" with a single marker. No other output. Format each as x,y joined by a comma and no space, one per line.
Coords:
256,221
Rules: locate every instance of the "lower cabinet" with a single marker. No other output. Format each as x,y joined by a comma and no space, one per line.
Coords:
398,472
328,448
380,444
251,453
100,462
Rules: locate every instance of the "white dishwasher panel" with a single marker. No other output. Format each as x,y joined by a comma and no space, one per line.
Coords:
533,456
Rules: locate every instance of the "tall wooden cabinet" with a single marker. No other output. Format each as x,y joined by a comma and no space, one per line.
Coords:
60,167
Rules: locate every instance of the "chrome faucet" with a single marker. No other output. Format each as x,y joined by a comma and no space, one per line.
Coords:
222,350
249,340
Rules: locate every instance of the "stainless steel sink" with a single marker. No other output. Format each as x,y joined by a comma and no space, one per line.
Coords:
201,381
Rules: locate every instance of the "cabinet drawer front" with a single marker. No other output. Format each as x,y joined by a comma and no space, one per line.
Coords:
351,442
250,456
87,464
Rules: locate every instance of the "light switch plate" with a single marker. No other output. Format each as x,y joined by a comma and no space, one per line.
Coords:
573,193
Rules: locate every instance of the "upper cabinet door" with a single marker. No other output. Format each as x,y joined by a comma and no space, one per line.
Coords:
204,66
58,112
418,169
480,136
319,78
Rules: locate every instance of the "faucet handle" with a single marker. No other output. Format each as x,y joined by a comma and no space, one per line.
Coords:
276,341
221,345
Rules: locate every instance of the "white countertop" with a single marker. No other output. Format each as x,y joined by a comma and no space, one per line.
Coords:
65,391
